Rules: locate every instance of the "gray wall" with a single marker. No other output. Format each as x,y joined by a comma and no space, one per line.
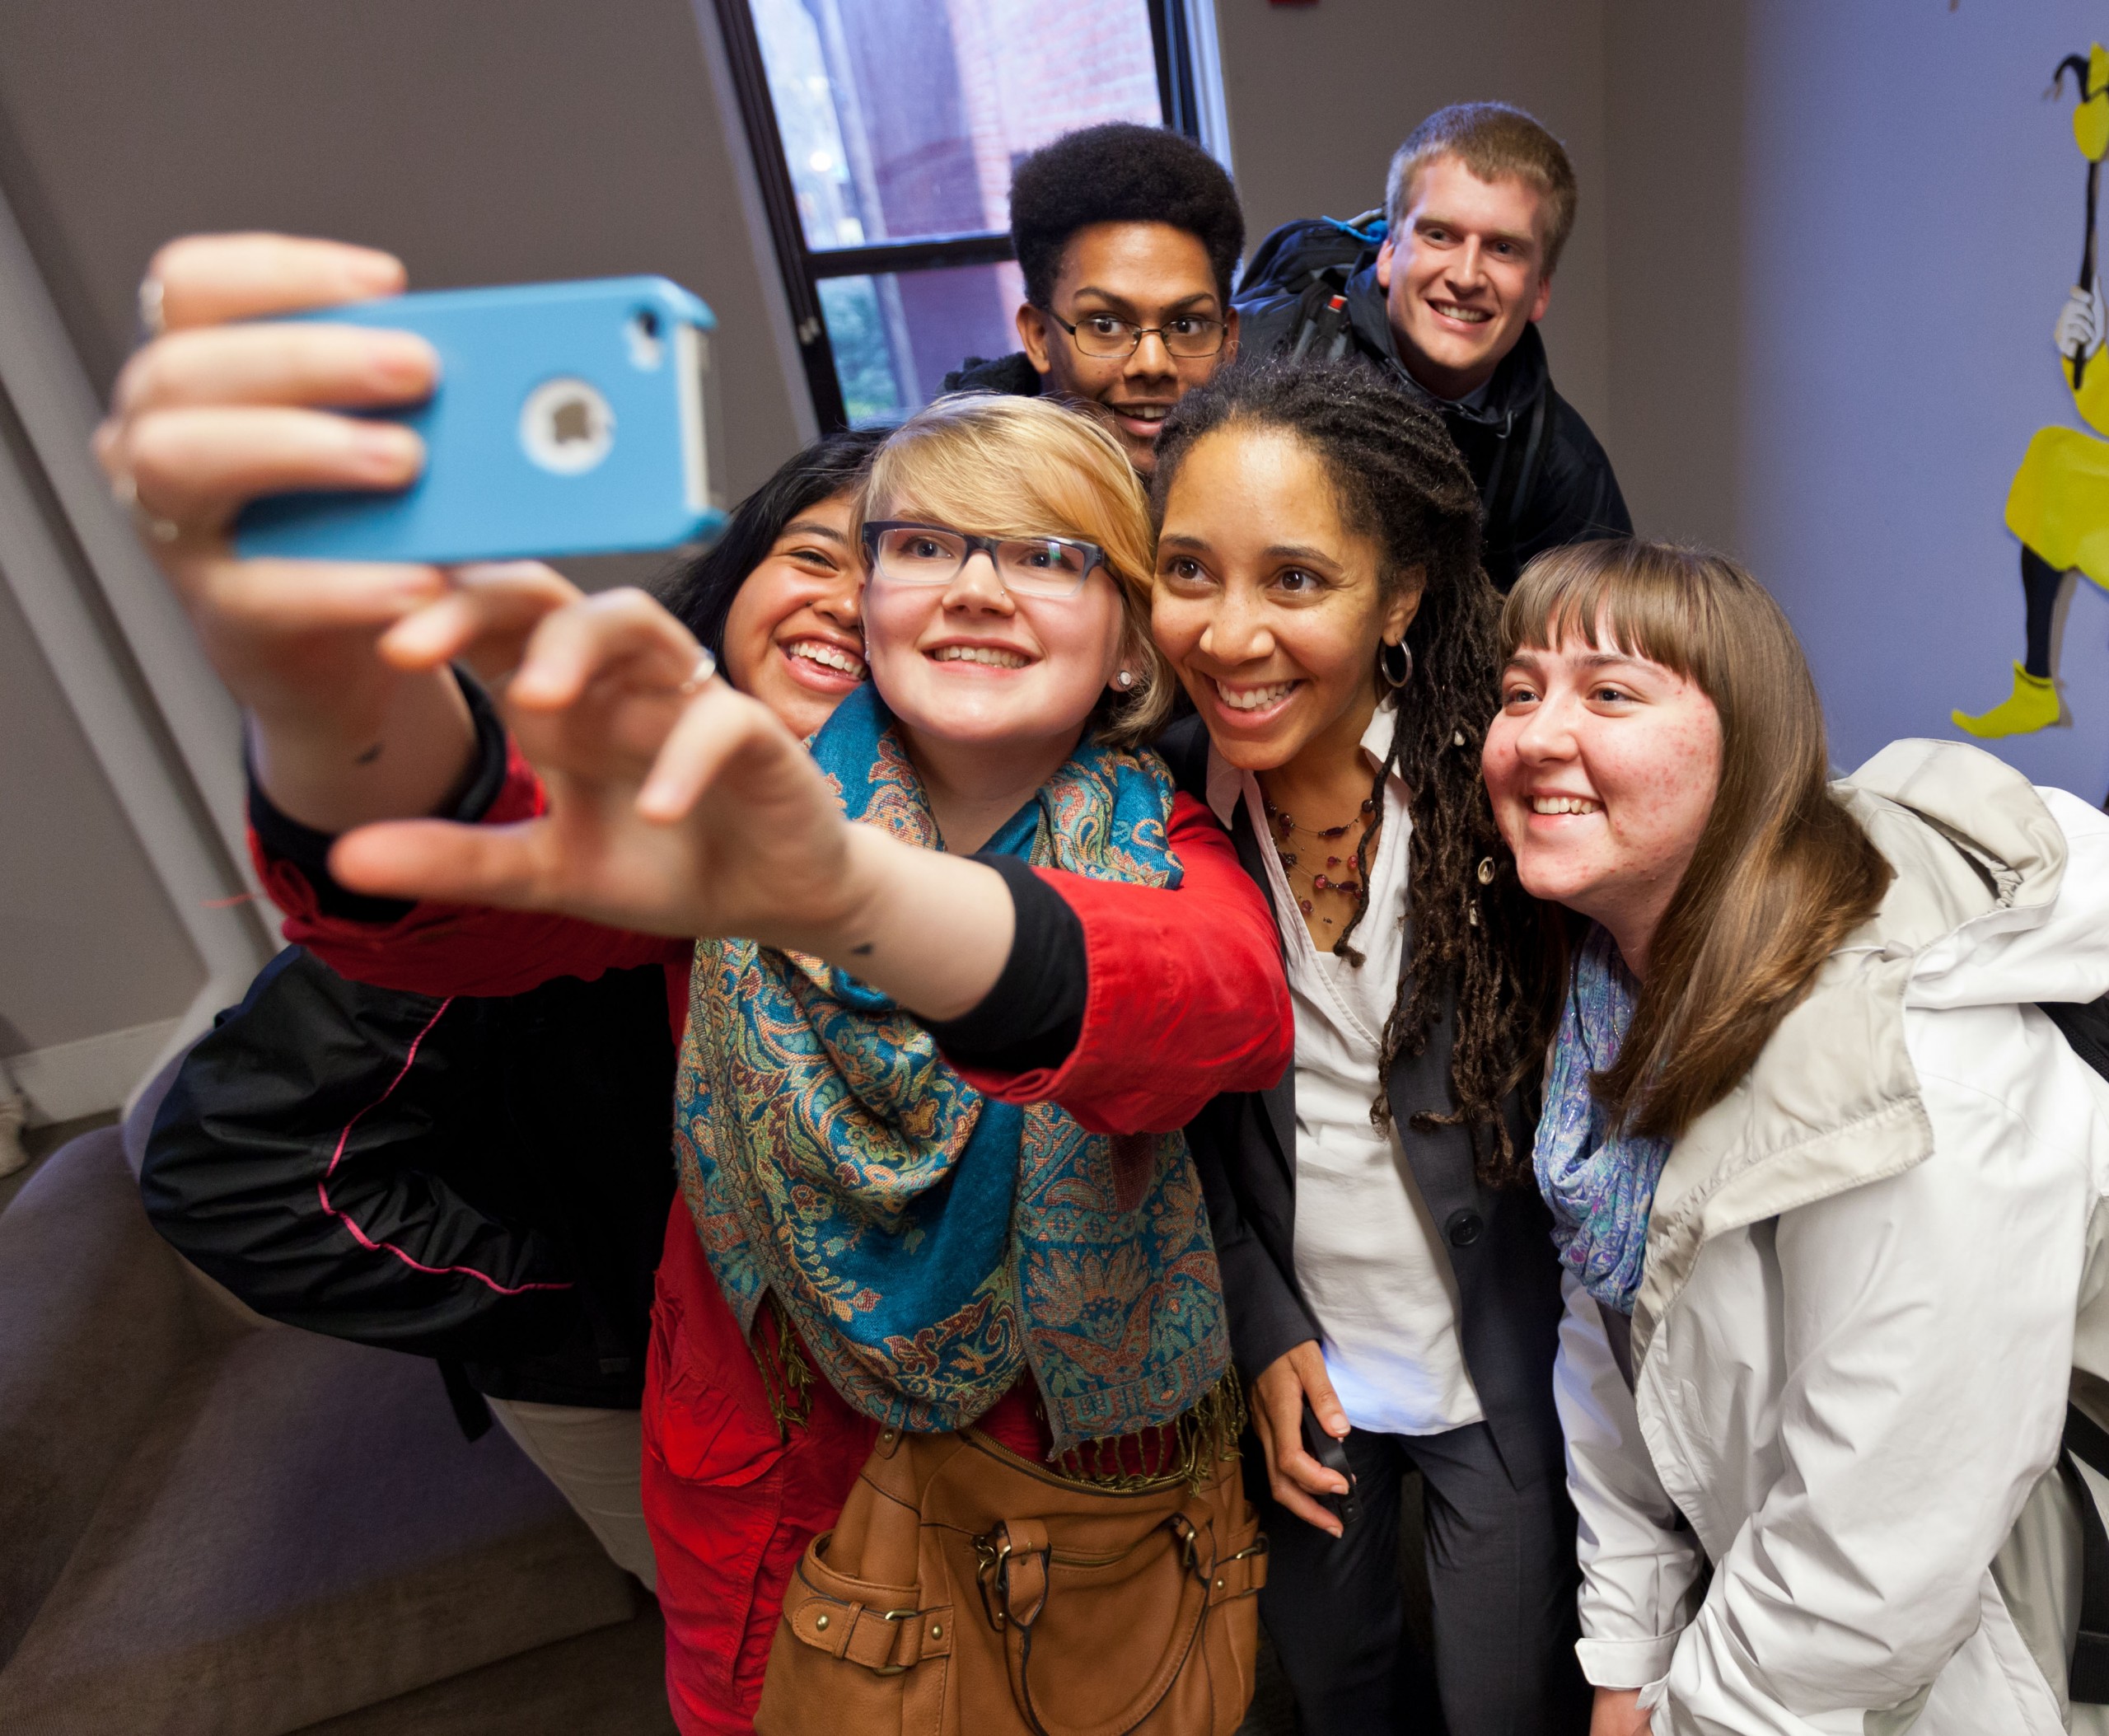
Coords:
483,140
1807,306
88,943
1674,238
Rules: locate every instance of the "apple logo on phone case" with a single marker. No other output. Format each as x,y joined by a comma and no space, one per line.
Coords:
566,427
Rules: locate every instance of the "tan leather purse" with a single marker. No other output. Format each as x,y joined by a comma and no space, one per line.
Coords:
968,1592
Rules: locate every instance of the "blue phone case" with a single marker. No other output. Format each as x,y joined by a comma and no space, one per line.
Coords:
570,419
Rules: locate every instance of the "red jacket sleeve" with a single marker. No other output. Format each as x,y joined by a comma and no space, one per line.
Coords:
1187,996
457,949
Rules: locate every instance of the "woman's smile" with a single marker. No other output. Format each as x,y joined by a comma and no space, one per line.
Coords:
979,657
824,665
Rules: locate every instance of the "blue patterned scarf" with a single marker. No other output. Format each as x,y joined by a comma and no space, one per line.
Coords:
928,1243
1600,1185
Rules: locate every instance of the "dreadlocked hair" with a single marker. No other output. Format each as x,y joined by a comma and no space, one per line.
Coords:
1477,936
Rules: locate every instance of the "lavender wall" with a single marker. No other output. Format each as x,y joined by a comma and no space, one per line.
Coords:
1911,211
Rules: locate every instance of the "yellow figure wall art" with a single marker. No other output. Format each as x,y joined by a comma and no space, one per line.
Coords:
2059,502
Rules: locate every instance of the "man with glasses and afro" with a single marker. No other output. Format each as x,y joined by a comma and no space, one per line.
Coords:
1127,237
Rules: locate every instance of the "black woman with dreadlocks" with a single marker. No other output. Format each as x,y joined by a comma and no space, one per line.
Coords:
1386,1259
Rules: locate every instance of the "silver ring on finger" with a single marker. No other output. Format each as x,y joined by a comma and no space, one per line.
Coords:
124,491
706,666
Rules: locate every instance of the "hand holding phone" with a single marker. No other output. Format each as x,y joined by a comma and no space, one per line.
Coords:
569,418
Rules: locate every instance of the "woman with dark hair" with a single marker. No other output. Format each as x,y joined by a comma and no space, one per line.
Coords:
1387,1266
1827,1181
775,598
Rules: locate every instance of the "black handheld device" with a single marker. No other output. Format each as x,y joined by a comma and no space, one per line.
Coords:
1333,1455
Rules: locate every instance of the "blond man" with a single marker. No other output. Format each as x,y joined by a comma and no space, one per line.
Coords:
1445,293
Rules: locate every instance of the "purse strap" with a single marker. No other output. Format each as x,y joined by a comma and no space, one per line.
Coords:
1016,1559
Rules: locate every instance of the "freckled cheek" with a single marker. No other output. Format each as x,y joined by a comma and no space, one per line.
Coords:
1660,788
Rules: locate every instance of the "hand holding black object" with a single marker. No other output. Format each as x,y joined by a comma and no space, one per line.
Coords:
1285,1396
1333,1455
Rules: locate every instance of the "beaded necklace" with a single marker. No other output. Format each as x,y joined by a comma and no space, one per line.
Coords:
1315,877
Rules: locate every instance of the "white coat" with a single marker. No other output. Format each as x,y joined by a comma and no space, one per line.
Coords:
1869,1275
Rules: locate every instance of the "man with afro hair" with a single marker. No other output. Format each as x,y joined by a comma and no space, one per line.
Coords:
1128,237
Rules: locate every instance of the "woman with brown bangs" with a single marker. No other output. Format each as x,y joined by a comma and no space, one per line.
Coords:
1824,1178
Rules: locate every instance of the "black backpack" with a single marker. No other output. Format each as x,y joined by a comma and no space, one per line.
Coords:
1310,262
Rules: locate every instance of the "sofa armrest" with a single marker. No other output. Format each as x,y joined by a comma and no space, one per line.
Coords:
96,1318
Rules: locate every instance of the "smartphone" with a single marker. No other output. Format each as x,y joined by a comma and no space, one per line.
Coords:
1333,1455
570,418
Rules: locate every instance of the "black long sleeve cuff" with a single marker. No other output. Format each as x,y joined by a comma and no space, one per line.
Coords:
308,850
1033,1015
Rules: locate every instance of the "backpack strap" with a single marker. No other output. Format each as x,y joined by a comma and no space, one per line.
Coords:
2087,1443
1322,330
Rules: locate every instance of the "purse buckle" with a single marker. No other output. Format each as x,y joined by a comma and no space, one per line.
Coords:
989,1558
890,1616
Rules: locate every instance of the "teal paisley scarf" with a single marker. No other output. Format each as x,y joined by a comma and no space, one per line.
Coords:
928,1243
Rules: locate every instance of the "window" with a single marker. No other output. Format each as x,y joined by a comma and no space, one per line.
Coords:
884,134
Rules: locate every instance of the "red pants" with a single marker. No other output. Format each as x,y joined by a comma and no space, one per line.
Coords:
730,1503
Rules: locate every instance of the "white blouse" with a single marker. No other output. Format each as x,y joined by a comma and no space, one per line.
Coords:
1370,1260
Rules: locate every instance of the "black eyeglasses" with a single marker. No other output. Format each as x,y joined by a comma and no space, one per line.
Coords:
1190,337
903,552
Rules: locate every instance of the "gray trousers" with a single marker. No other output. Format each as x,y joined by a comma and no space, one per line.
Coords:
597,1460
1502,1580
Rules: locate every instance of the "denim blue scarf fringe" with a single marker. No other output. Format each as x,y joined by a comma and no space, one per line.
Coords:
1600,1185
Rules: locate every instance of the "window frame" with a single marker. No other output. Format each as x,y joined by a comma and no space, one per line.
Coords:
802,269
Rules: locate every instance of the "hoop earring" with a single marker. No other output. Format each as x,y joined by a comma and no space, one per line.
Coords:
1406,672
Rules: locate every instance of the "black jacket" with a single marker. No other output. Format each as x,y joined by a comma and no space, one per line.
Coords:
1543,479
484,1182
1500,1240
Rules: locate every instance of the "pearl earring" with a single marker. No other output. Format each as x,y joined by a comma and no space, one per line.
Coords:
1125,680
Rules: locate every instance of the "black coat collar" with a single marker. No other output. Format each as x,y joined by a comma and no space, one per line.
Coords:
1518,382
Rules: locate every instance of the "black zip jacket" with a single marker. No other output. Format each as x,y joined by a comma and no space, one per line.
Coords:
482,1181
1011,376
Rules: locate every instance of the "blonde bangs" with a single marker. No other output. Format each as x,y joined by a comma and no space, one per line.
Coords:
1002,466
1026,467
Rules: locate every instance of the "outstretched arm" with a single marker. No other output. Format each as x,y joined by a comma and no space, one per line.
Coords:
678,806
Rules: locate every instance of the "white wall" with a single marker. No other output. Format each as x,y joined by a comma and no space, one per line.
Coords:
1673,243
483,140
